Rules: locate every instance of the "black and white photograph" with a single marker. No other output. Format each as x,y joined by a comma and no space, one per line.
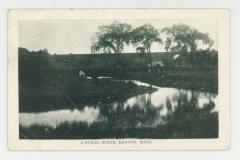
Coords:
118,78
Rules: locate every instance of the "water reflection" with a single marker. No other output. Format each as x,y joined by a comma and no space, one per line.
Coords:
164,106
54,118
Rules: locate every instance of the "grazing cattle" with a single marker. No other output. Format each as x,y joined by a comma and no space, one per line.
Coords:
81,74
156,65
175,56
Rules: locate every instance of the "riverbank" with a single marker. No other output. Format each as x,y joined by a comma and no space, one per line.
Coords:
206,81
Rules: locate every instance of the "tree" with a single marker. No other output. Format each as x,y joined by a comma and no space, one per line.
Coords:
140,50
42,52
100,47
183,38
112,37
168,44
144,36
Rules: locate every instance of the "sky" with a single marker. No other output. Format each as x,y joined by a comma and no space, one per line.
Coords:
75,36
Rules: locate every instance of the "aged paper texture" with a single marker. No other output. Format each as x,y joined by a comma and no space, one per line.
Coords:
118,79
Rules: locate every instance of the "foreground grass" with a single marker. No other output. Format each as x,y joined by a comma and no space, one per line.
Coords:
202,127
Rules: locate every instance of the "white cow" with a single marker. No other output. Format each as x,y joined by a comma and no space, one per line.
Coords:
156,65
175,56
81,74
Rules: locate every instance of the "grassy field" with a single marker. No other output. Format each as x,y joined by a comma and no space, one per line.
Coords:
94,64
202,67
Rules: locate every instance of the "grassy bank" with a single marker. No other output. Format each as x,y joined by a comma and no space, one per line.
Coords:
205,127
75,93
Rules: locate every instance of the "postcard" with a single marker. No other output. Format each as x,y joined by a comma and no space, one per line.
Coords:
118,79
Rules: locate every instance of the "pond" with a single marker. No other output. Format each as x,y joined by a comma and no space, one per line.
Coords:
162,108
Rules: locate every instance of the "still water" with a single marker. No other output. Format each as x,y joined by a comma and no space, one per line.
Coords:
145,110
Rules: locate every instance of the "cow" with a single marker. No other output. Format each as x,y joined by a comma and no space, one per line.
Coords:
175,57
81,74
156,65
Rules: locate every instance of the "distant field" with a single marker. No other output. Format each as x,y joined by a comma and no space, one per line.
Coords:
101,63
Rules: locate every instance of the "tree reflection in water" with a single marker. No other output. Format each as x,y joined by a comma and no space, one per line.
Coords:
185,119
182,115
141,114
189,120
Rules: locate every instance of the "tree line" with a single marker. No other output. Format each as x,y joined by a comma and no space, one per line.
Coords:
114,37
